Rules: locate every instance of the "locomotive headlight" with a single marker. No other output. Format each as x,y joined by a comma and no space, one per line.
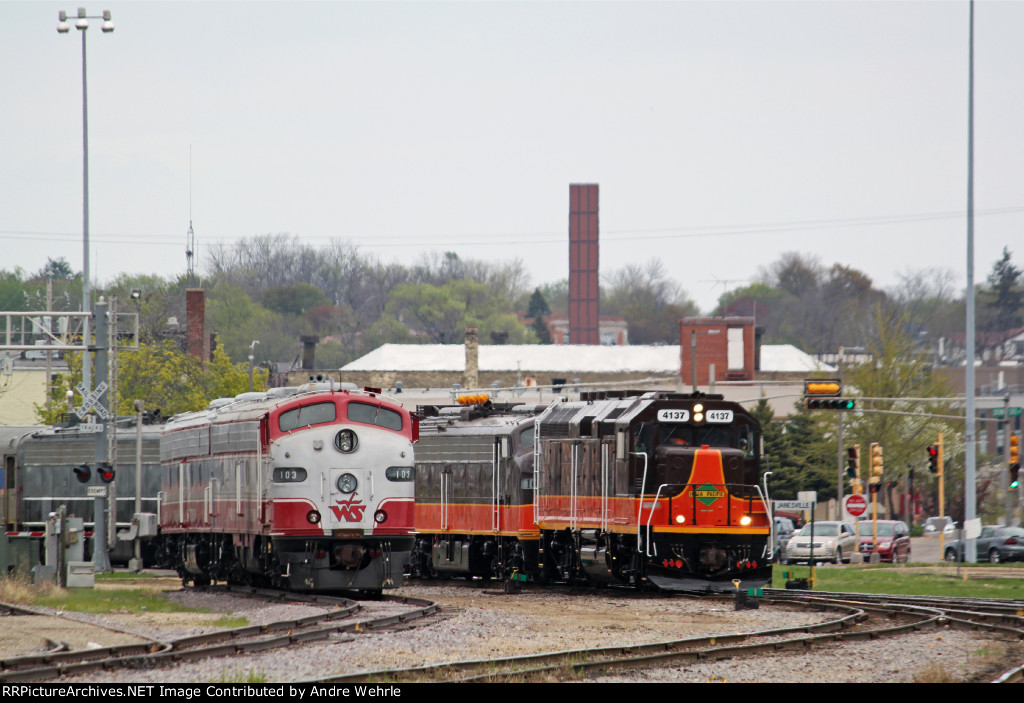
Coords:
346,441
380,517
698,408
347,483
698,412
745,520
680,519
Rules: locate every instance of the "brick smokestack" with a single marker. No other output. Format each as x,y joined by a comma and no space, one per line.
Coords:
471,379
309,342
197,343
583,259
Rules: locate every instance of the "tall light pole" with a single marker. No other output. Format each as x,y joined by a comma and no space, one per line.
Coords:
82,24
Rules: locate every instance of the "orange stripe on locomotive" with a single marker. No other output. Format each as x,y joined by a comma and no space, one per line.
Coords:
704,504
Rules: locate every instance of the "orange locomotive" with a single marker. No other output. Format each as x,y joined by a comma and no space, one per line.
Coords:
639,488
474,491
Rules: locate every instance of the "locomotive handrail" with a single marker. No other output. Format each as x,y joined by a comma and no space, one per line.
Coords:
640,507
573,487
771,517
605,454
650,516
495,487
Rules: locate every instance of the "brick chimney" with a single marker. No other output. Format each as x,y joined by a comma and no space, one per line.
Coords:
309,342
471,379
197,343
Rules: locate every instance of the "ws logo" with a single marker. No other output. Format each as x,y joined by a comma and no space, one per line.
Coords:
349,510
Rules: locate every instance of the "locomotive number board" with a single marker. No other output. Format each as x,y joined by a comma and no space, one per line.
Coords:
673,415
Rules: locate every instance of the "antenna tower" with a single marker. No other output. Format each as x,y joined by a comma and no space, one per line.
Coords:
190,245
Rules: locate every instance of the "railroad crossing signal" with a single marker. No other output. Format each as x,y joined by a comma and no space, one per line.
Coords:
1014,460
90,401
826,394
83,473
106,472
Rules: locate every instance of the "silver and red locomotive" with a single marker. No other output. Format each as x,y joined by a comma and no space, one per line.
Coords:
638,488
311,491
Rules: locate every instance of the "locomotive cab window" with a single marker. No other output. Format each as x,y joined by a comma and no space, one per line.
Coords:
375,415
526,440
307,415
747,441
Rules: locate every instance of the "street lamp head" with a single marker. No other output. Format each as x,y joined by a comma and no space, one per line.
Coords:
108,26
62,24
82,24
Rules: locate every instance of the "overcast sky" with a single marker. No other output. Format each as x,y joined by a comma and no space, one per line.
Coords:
722,134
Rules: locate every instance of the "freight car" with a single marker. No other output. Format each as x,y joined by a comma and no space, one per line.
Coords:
638,488
308,489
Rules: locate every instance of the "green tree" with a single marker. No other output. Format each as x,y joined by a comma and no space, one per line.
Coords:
57,269
12,290
443,312
1002,303
162,376
294,299
798,452
538,305
904,428
651,303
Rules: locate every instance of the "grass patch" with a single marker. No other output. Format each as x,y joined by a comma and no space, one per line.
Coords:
231,622
877,578
247,676
125,576
89,600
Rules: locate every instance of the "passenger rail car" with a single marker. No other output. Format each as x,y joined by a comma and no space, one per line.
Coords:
474,492
312,491
39,476
658,488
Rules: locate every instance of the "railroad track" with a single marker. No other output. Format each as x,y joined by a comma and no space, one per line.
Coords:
61,661
857,617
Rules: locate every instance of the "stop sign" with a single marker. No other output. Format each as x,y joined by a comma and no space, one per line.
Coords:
856,504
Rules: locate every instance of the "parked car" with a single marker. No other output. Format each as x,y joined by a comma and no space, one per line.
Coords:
833,541
995,544
784,530
934,525
893,543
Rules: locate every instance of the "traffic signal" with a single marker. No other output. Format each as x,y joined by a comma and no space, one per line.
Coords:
853,462
83,473
825,395
829,403
1014,460
874,488
877,466
106,472
933,458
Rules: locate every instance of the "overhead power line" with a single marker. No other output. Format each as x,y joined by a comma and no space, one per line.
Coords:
521,238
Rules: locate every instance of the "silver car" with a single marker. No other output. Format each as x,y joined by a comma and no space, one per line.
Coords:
833,541
784,530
